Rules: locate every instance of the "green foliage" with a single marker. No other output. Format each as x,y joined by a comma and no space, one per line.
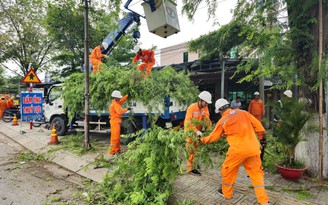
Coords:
272,155
145,173
74,143
28,156
149,91
68,35
23,37
218,43
282,48
293,117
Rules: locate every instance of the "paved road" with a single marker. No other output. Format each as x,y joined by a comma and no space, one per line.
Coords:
30,182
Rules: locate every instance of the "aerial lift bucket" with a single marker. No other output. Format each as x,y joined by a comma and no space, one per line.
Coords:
164,20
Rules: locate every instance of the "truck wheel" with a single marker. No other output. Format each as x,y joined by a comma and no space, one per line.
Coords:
61,125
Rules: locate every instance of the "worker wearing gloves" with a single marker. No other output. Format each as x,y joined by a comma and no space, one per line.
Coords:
96,57
2,106
148,59
198,111
239,128
116,112
256,107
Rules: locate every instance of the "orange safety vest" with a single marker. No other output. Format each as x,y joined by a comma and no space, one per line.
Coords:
10,103
256,107
239,127
147,56
193,112
96,56
116,111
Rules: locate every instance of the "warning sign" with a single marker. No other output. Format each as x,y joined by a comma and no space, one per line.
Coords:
31,77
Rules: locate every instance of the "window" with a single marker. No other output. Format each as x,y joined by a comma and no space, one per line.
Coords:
185,57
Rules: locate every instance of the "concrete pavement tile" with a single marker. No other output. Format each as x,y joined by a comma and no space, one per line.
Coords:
34,146
95,174
71,162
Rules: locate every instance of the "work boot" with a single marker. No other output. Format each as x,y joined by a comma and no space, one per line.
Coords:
220,193
195,172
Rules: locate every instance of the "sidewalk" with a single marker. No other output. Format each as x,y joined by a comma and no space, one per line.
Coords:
189,188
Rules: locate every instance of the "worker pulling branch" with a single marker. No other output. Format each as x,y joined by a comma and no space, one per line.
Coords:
148,59
116,113
239,128
198,111
96,57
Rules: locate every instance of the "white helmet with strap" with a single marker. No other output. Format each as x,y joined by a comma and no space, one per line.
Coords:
220,103
206,96
116,94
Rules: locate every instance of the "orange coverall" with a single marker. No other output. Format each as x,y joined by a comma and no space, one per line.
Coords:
240,127
148,61
115,124
10,103
256,108
95,59
194,112
2,107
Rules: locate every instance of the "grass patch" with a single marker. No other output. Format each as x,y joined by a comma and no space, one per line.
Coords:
75,144
302,195
101,162
55,199
28,156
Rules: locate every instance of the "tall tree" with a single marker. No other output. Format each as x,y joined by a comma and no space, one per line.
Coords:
23,39
283,35
68,35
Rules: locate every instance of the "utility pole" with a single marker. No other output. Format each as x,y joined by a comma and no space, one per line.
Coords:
320,96
86,72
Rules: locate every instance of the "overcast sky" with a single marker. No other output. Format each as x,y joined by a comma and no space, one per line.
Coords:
188,30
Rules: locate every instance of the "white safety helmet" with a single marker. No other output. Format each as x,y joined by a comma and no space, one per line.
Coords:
116,94
220,103
256,93
288,93
136,48
206,96
104,44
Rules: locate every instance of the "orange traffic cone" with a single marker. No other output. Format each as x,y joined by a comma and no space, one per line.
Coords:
15,122
54,137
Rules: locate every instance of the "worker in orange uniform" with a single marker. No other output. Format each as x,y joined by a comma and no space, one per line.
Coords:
96,57
198,111
116,112
256,107
148,59
10,103
239,128
2,106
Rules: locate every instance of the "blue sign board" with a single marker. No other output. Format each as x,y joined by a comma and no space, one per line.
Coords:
31,106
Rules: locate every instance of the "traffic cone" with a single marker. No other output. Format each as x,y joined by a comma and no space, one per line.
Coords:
15,122
54,137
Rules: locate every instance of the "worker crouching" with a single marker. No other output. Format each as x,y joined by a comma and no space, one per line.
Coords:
147,58
239,127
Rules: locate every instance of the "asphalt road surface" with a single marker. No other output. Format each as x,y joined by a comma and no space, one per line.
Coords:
27,181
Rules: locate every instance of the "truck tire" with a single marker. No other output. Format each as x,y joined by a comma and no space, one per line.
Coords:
61,125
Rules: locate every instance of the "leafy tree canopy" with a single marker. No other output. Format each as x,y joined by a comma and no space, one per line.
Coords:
278,38
23,39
